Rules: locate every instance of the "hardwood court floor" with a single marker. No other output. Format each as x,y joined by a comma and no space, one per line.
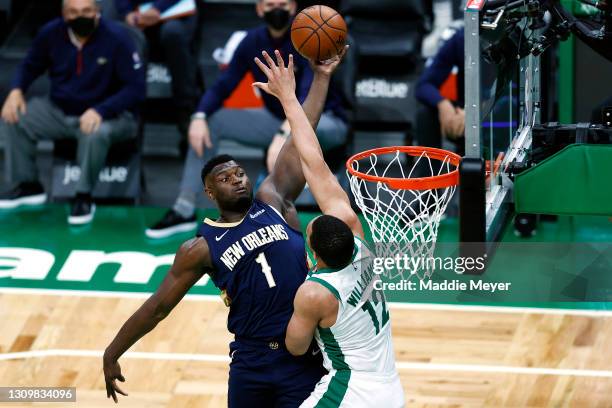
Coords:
430,346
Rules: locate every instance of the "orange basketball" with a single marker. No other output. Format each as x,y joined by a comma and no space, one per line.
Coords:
318,33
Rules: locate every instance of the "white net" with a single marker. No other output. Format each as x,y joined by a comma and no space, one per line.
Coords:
403,222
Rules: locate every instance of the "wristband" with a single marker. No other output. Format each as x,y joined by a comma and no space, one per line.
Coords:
199,115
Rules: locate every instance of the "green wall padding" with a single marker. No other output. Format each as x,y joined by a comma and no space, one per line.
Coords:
576,180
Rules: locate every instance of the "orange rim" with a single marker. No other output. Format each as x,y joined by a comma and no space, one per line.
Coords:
423,183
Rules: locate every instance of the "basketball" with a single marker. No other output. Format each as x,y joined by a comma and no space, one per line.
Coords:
318,33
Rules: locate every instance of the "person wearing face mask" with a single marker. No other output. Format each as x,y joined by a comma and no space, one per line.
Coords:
264,128
172,39
97,80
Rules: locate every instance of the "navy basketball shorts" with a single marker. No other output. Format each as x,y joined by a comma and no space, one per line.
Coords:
266,375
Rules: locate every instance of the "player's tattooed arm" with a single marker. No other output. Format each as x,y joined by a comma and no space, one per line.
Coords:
313,306
190,263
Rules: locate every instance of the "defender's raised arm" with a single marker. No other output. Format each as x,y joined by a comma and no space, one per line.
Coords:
286,181
330,196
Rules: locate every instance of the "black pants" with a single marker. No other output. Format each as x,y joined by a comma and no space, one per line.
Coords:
171,41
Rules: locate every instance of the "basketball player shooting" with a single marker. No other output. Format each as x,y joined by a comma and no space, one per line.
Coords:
255,253
337,304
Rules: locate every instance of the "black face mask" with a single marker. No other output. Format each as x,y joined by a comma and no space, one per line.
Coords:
82,26
277,18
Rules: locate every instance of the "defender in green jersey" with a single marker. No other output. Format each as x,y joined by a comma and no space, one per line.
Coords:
337,305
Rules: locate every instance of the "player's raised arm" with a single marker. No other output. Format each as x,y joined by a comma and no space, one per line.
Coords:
191,260
330,196
287,181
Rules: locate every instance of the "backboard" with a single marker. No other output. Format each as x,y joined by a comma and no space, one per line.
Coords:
502,82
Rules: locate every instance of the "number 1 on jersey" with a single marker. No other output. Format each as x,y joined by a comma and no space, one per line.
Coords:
265,268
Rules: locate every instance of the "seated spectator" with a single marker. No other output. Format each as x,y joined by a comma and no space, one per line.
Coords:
174,39
440,117
265,127
97,81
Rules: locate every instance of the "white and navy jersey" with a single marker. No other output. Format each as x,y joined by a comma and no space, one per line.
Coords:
260,262
360,339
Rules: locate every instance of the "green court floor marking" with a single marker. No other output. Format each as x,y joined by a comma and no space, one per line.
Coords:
39,250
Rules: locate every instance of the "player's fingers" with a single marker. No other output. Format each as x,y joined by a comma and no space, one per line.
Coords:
279,59
270,61
262,86
119,390
264,68
290,65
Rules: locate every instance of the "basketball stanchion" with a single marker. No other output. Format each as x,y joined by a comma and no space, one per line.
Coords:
403,192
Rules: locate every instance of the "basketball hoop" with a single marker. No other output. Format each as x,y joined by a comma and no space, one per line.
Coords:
403,192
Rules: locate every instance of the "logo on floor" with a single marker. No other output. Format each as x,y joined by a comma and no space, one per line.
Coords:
123,271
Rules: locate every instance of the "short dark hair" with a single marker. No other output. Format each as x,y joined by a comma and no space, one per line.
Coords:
212,163
332,240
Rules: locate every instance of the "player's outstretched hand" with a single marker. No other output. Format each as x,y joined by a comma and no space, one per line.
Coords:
112,373
281,79
329,66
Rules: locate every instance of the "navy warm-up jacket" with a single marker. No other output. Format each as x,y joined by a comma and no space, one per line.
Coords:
450,55
107,74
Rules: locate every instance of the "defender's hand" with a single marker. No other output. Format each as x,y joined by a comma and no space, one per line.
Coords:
112,373
199,136
13,106
328,67
281,79
90,121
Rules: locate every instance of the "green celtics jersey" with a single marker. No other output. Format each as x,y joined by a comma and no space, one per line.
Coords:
360,339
